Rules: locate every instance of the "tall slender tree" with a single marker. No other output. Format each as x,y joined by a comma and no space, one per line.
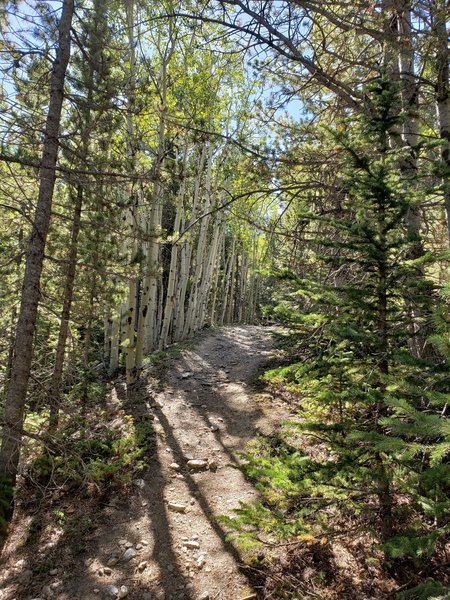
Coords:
23,345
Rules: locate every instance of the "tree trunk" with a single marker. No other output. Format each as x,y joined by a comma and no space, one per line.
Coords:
443,101
23,346
186,256
132,216
14,314
54,392
170,296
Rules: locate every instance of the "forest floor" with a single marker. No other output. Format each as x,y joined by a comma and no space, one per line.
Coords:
159,537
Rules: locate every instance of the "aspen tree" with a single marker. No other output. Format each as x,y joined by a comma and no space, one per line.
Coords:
198,265
170,294
148,330
228,286
207,280
186,251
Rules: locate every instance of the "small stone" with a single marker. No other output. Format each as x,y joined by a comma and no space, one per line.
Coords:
112,562
140,483
54,572
123,542
55,585
176,507
186,375
48,592
220,419
142,566
204,596
111,591
215,428
107,571
144,542
128,554
138,546
96,591
175,466
204,406
26,576
192,544
197,463
128,545
123,592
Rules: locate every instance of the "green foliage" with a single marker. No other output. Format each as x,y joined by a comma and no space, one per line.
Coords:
373,440
411,545
428,590
111,457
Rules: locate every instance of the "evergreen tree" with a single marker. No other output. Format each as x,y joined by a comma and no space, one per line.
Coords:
373,413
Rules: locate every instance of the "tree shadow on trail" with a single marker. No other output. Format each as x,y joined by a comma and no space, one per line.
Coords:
171,578
195,404
82,546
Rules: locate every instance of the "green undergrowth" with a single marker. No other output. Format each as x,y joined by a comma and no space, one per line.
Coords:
368,367
104,448
156,358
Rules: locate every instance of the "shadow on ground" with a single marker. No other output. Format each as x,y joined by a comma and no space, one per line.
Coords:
67,561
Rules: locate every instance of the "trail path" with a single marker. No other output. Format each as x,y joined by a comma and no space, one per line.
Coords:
164,541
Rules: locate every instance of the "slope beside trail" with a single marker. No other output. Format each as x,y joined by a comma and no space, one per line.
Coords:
163,541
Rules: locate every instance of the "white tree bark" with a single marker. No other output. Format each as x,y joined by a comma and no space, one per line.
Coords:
170,296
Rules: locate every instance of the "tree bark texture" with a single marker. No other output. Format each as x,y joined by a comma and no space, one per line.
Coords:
23,346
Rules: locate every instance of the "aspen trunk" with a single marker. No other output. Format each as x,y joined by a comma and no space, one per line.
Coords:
170,295
189,325
242,288
229,273
410,102
150,314
153,273
231,300
23,347
206,283
186,255
216,279
115,344
186,252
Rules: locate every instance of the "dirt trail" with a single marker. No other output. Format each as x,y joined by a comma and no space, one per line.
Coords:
177,550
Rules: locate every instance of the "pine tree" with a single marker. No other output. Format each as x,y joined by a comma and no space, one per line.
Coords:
366,399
